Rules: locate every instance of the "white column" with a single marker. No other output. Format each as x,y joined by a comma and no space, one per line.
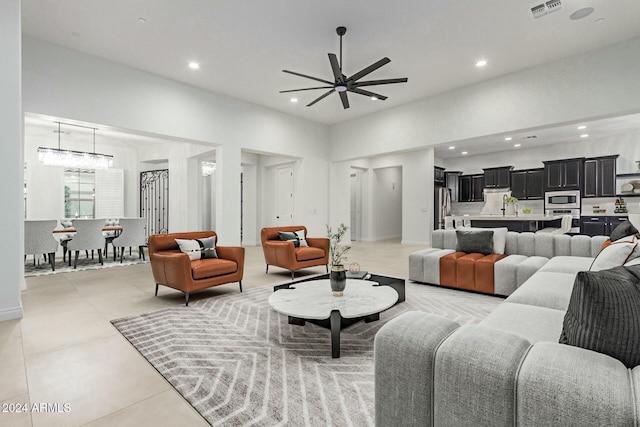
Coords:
11,162
340,195
228,169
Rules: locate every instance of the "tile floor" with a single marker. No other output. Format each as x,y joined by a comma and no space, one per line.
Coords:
65,351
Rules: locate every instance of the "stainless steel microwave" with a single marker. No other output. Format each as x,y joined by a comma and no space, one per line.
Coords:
567,199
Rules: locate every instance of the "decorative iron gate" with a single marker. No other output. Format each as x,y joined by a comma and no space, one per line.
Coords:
154,200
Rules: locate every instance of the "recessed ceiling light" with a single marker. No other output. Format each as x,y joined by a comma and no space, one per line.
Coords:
584,135
142,20
581,127
74,34
194,65
465,152
581,13
599,20
517,145
374,98
452,147
294,100
481,63
508,138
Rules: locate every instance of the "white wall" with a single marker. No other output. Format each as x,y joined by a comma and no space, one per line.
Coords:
59,82
627,145
592,85
11,161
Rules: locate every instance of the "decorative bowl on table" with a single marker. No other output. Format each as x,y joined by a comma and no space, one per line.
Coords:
526,211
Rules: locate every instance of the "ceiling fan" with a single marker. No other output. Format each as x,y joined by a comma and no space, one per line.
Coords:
343,84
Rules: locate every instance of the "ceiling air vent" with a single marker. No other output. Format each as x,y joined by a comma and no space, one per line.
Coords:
530,137
545,8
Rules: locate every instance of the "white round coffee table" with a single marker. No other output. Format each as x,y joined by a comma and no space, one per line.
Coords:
313,300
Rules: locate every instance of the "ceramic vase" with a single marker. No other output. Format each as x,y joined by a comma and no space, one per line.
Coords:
338,280
510,209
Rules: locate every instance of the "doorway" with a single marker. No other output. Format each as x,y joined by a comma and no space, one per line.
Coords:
284,195
356,204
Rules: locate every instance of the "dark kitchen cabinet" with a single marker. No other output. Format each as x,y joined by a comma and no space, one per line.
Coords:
600,177
497,177
438,175
600,225
563,174
451,182
470,187
527,184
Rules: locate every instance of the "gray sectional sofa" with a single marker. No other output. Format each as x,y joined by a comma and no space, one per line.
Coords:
508,370
526,254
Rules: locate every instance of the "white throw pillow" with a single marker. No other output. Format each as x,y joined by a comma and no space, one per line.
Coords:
303,240
198,248
635,261
615,255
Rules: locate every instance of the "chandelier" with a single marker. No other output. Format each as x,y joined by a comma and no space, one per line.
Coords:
75,159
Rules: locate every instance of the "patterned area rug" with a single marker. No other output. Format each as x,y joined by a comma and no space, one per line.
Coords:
42,268
237,362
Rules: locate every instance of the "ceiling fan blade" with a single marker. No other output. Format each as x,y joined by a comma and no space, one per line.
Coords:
335,67
308,77
380,82
371,68
344,99
367,93
320,97
306,88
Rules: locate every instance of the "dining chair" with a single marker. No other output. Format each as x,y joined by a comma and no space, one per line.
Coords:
38,239
88,237
132,234
109,235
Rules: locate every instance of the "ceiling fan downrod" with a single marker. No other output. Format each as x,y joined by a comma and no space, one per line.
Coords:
341,31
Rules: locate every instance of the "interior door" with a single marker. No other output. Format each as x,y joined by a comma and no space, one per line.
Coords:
284,195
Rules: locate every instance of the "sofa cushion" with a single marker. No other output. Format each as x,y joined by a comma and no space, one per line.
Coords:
604,314
308,253
499,237
530,322
475,241
545,289
567,264
206,268
198,248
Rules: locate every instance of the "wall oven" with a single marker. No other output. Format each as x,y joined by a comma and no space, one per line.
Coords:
564,203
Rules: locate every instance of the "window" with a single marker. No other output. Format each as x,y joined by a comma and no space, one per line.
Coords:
79,193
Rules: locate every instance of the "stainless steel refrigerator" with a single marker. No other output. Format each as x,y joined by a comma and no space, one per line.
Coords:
442,206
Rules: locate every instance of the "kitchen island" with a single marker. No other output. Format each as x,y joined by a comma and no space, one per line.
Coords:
523,222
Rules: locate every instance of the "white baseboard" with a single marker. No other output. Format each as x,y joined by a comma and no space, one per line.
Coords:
415,242
11,313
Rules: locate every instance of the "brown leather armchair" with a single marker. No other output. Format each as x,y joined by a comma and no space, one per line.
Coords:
286,255
174,269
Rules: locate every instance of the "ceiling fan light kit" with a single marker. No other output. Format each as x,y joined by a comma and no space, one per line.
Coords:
343,84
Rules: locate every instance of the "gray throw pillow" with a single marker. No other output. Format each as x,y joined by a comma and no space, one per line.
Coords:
475,241
623,229
604,313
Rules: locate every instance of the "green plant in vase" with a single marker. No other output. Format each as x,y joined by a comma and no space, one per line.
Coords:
510,205
337,252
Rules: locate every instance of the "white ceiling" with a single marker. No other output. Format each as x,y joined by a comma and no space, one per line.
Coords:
243,45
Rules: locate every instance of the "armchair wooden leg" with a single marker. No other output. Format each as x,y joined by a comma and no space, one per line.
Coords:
327,267
240,282
141,249
157,285
186,299
100,257
293,273
121,255
75,261
267,270
52,261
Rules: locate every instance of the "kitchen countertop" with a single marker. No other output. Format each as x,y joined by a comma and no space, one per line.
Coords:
523,217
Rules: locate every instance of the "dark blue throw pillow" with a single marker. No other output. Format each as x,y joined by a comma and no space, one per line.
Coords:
289,236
